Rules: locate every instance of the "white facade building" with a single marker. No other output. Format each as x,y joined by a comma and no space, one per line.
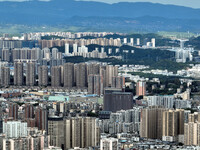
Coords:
166,100
15,129
109,144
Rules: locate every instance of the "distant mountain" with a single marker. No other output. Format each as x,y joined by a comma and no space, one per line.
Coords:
95,14
141,24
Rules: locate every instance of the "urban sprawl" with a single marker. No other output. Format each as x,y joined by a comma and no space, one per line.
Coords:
62,90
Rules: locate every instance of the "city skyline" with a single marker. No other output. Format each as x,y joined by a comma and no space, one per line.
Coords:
99,74
68,92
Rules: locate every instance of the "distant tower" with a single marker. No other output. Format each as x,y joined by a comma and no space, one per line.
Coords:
109,143
41,116
75,48
138,41
55,76
13,111
69,75
54,53
109,51
118,82
6,55
102,50
111,71
18,73
95,84
153,41
93,69
132,41
66,48
141,88
117,50
30,73
5,76
29,111
81,75
125,40
115,101
43,75
182,42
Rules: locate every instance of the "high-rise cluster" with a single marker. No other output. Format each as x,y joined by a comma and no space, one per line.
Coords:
94,76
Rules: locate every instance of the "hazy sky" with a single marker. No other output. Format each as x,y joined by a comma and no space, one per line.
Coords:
187,3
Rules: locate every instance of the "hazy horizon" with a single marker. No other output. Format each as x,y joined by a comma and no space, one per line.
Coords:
186,3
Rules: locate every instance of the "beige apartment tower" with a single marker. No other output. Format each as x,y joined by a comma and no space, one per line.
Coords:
152,122
111,71
192,133
81,132
192,130
55,130
173,122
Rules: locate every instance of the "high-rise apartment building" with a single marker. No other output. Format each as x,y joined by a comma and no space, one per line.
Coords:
5,76
54,53
115,101
141,88
125,41
55,76
132,41
138,41
41,118
95,84
30,73
15,53
6,55
102,72
81,75
192,133
118,82
153,41
18,73
192,130
152,122
109,144
173,123
93,69
13,111
166,101
36,142
195,117
43,76
15,129
75,48
68,71
55,130
111,71
81,132
67,48
29,111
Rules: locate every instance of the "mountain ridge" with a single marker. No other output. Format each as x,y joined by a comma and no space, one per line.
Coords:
62,12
